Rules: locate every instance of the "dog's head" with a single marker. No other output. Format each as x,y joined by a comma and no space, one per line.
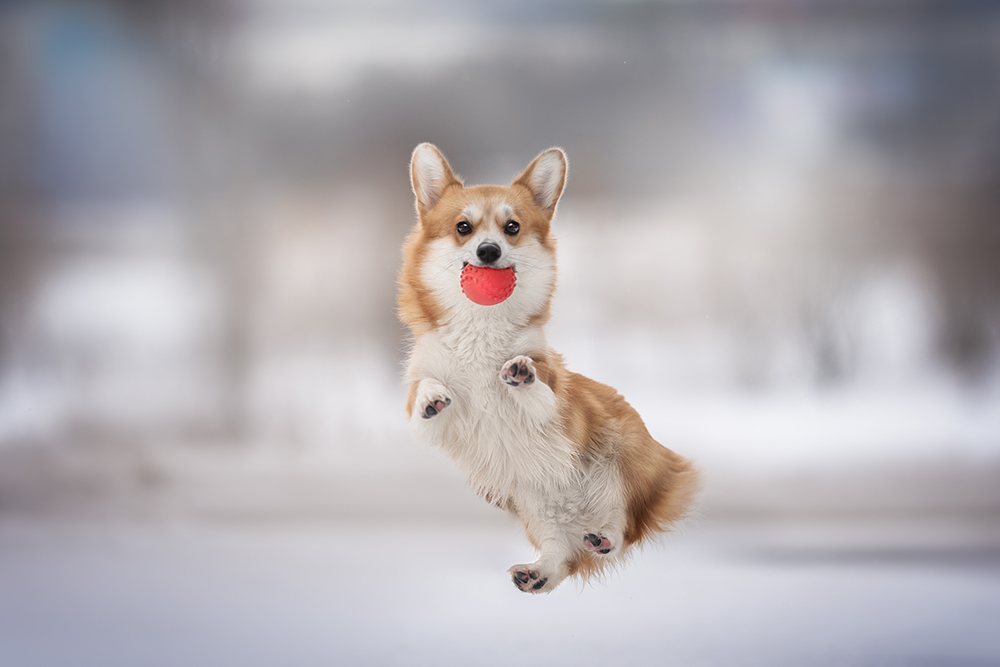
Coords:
485,226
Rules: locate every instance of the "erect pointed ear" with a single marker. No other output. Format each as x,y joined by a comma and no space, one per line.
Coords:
430,175
545,177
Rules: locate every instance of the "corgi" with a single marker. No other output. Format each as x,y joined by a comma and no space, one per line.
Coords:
564,454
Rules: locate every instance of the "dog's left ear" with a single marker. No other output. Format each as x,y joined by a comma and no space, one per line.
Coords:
545,177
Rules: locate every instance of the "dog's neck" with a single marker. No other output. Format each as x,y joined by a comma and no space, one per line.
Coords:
478,333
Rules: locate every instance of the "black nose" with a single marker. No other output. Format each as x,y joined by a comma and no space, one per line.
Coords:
488,252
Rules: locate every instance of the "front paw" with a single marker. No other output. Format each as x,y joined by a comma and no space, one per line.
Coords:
432,399
518,372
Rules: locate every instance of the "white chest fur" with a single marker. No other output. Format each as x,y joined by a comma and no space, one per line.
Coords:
509,446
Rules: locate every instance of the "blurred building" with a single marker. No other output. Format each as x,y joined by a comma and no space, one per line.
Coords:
779,238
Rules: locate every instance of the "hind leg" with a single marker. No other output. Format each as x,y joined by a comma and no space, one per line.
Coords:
604,527
547,572
546,529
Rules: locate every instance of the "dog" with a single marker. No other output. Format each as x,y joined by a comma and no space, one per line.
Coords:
565,454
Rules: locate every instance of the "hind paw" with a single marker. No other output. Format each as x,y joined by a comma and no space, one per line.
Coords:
531,579
598,544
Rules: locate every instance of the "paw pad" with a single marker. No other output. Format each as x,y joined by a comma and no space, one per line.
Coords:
528,580
597,543
518,371
434,407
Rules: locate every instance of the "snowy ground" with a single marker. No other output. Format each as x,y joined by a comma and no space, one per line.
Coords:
105,594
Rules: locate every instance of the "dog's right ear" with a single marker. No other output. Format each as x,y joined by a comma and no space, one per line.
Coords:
431,176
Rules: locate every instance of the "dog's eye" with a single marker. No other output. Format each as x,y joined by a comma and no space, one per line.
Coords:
511,228
463,228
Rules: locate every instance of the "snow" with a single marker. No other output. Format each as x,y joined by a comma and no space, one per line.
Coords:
437,594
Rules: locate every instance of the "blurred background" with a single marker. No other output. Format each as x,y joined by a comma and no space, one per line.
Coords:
780,240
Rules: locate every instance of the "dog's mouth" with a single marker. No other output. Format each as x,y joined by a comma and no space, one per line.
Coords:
465,263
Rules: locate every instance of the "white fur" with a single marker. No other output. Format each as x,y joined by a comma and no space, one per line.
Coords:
536,399
429,175
430,392
545,179
509,440
473,213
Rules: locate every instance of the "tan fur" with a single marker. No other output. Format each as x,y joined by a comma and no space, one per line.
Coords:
658,485
417,307
411,396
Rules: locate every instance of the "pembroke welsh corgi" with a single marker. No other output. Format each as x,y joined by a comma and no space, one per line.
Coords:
565,454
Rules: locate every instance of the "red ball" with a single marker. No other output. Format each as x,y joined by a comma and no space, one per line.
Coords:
487,286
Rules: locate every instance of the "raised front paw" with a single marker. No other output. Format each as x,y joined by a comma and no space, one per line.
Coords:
529,579
518,372
432,399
